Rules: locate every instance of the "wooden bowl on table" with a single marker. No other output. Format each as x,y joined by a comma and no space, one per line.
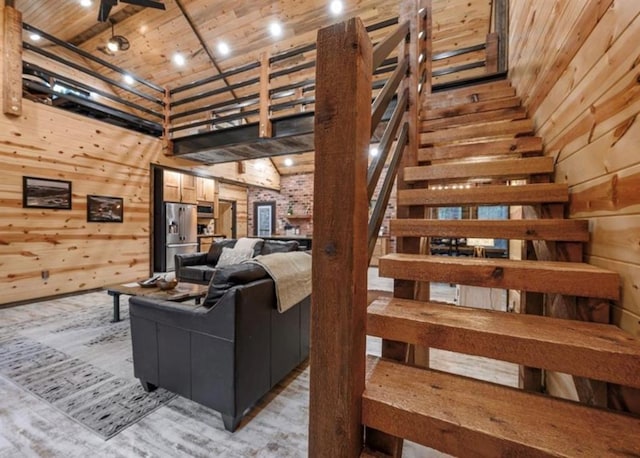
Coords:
166,285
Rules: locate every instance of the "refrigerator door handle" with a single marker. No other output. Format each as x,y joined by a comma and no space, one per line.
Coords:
180,223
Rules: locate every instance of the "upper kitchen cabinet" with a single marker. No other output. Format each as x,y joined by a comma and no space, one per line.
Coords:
205,189
179,187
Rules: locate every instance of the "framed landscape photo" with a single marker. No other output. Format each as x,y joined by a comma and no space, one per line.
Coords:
104,209
46,193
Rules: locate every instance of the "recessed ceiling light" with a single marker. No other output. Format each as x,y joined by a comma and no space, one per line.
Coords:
223,48
179,59
275,29
373,151
336,7
128,79
288,162
85,3
35,36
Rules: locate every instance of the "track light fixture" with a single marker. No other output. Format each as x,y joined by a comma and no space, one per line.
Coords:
117,42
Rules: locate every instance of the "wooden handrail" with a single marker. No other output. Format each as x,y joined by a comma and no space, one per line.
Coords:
384,48
377,164
386,94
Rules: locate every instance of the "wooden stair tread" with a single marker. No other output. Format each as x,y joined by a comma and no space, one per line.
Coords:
489,194
470,108
520,145
471,94
465,417
502,114
569,278
518,167
568,230
598,351
489,129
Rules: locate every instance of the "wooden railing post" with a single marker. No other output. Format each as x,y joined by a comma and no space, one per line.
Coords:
265,101
166,124
11,62
339,299
492,53
501,13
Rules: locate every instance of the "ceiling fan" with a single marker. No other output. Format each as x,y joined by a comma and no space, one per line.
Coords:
106,5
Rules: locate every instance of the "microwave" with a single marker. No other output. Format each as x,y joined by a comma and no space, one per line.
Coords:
205,210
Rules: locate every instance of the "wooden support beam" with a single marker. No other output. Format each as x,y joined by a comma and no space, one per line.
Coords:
502,29
492,53
265,101
338,323
11,60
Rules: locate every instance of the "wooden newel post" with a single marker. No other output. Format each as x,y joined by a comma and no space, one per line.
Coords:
339,300
265,99
11,62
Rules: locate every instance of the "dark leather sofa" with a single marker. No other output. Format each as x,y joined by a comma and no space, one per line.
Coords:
199,267
225,354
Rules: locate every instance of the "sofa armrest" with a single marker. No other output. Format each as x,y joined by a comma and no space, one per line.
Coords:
190,259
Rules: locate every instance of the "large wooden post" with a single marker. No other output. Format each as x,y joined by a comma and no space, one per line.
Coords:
166,124
11,62
339,299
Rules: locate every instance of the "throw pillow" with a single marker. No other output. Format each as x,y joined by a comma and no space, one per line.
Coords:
232,256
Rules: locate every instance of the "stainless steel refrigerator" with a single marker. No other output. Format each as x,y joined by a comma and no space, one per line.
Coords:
180,232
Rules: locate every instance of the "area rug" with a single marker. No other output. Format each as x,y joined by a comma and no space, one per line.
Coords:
105,399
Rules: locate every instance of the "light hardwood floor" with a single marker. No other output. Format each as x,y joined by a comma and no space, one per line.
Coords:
277,427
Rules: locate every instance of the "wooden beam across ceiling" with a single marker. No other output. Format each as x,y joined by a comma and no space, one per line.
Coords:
203,43
100,27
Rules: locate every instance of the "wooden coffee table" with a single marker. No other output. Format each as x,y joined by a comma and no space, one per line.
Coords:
182,292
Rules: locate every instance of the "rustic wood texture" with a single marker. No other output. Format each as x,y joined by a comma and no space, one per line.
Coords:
570,278
521,145
482,419
98,159
573,230
489,129
511,168
470,108
584,98
11,51
340,248
603,352
490,194
451,120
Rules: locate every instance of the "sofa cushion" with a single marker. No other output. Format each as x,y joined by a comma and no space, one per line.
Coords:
232,256
216,250
227,277
279,246
195,274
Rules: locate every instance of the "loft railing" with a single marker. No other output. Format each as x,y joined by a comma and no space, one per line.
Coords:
345,184
491,55
53,78
273,87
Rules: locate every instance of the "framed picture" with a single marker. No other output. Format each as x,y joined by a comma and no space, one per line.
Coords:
104,209
46,193
264,217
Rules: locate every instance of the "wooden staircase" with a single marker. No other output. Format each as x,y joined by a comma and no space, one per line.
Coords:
474,141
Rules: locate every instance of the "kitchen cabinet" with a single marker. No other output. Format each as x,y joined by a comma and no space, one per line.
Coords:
179,187
205,242
205,189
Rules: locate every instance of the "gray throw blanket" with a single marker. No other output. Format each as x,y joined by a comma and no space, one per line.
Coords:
291,273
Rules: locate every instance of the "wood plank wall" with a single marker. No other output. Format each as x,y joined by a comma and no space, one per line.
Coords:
98,159
587,119
575,66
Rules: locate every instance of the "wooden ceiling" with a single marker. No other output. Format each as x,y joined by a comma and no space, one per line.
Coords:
156,35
